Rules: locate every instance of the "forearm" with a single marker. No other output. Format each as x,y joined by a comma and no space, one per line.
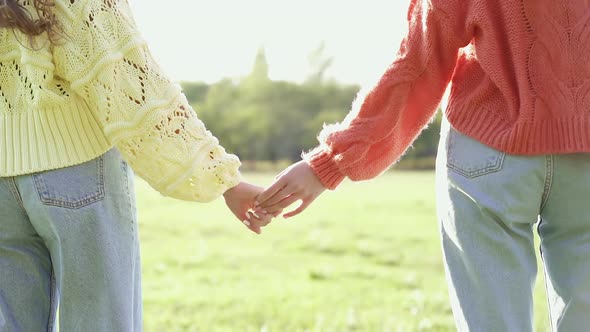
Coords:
386,119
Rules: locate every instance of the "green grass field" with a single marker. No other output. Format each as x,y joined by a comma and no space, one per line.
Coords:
363,258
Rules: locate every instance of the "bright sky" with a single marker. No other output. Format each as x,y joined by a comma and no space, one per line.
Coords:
206,40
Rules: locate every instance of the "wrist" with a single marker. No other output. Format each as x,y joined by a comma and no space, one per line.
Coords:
325,168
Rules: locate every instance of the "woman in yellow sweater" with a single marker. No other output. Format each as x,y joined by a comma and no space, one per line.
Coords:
82,102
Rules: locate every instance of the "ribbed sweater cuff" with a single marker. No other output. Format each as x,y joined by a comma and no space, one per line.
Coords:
324,166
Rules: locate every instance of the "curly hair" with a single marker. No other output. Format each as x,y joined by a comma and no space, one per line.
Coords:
14,15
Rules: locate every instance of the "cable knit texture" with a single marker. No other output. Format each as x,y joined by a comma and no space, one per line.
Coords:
520,82
99,87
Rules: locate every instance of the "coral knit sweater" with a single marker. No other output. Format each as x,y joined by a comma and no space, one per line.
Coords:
520,77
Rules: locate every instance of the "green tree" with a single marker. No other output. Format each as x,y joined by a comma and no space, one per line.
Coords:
195,92
319,64
260,119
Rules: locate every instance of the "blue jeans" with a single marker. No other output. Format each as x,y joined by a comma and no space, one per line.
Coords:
489,203
69,240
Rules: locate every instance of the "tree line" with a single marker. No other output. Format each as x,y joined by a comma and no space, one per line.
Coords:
259,119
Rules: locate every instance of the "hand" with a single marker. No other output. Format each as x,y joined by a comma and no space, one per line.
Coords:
240,200
297,182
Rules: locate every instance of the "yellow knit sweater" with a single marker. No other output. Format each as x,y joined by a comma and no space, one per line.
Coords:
67,103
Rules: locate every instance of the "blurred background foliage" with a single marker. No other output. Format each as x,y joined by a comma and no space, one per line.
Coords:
272,122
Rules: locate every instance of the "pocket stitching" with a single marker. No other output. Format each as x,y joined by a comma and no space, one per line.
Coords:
43,192
480,171
488,169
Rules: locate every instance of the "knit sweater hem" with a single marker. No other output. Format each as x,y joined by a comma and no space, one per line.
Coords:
49,139
553,136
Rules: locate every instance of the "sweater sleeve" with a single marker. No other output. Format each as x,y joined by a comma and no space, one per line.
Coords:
386,119
141,111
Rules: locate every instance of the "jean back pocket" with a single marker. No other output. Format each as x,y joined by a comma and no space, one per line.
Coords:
72,187
471,158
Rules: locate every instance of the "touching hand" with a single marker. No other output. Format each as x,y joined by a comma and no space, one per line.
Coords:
297,182
240,200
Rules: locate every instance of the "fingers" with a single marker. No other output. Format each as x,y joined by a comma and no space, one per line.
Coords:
270,192
296,182
279,206
262,219
256,221
283,194
301,208
273,214
253,227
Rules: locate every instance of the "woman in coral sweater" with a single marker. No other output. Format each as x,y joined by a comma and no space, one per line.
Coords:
513,152
82,103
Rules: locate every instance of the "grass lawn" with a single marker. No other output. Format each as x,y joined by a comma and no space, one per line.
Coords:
364,258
